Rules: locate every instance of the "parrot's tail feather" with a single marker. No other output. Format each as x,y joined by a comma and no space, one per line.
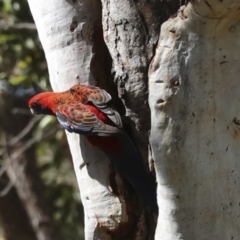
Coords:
130,163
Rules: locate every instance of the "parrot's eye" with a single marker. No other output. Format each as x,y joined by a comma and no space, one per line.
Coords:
38,108
35,103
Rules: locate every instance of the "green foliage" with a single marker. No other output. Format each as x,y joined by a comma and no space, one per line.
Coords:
22,61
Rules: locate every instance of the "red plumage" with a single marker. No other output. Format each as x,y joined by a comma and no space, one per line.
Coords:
75,97
86,110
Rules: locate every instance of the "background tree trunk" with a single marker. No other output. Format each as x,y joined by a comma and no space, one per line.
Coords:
14,220
28,217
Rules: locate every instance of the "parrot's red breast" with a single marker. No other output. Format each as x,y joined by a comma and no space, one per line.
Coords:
109,143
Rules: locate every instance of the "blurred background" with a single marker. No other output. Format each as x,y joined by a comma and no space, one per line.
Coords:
39,196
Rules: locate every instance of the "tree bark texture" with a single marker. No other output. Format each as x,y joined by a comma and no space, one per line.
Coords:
194,100
131,31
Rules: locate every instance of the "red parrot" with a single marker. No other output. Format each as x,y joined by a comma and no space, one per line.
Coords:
86,110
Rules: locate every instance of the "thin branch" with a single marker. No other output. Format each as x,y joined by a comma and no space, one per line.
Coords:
11,183
26,146
19,26
24,132
21,111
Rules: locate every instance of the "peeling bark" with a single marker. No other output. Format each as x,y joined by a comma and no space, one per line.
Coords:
130,32
194,96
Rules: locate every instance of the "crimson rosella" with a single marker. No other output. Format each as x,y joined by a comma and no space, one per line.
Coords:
86,110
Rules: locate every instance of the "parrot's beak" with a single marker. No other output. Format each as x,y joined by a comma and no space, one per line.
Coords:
32,111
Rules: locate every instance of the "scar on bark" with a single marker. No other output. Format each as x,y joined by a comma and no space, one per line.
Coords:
73,25
236,121
207,3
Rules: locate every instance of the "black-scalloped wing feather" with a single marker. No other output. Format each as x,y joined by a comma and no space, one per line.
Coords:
79,119
111,114
98,97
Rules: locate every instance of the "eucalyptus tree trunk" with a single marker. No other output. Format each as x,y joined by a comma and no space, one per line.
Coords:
194,131
194,99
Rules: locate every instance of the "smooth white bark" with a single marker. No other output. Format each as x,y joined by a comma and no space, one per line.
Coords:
65,29
194,100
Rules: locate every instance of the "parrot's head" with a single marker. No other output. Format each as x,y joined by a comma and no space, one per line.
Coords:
42,103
